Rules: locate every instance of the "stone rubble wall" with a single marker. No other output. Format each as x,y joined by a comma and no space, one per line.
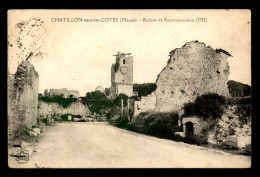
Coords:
22,100
50,109
230,126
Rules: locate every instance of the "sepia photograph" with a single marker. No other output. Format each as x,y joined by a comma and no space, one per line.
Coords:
132,88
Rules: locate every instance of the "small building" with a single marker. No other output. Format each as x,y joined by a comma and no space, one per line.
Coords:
191,126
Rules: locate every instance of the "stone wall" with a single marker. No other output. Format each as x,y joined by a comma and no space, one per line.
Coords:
22,100
13,124
126,89
147,103
49,109
191,71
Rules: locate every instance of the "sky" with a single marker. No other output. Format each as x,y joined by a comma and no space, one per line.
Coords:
79,55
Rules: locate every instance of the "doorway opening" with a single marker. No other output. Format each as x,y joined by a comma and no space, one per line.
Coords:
189,129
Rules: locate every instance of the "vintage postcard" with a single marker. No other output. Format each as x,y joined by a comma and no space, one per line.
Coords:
129,88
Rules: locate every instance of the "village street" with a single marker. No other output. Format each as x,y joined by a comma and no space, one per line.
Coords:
100,145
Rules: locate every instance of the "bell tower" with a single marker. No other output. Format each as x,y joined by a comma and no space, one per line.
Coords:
122,75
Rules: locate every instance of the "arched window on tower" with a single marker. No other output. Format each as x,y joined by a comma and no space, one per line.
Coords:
124,61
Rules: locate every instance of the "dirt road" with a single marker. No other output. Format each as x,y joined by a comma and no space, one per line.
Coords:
99,145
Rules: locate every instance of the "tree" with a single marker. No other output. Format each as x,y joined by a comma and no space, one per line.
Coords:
97,102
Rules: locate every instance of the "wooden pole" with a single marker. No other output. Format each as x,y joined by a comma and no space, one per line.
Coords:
128,106
122,107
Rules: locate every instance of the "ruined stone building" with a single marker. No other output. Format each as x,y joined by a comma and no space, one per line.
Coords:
66,93
191,71
22,100
122,76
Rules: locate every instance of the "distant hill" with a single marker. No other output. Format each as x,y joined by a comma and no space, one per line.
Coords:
237,89
144,89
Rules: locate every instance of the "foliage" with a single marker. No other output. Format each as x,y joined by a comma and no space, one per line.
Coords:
117,64
26,132
118,99
207,106
64,102
162,125
189,109
97,102
144,89
113,111
44,120
121,122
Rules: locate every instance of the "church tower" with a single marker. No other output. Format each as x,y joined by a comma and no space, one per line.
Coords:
122,75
